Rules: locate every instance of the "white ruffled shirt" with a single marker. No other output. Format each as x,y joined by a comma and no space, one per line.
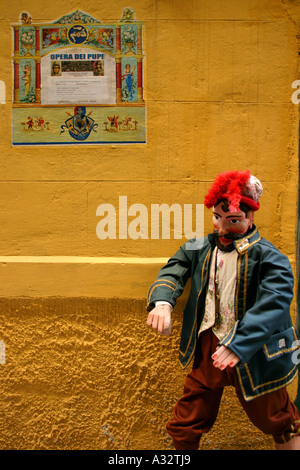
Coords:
219,311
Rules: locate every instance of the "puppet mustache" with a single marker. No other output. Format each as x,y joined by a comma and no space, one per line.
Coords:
229,236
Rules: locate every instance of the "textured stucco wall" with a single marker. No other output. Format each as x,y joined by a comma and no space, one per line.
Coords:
87,374
82,370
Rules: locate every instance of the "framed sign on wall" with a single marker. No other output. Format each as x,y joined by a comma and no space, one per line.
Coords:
78,81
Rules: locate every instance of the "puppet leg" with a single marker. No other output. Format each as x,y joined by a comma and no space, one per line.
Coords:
196,411
275,414
292,444
194,414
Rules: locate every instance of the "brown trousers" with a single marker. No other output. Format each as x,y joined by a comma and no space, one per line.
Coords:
197,410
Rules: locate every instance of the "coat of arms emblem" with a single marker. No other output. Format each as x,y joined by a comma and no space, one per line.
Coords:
79,125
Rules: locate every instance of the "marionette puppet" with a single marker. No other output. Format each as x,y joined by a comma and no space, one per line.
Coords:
236,326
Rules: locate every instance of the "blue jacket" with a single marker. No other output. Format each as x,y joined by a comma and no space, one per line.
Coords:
263,336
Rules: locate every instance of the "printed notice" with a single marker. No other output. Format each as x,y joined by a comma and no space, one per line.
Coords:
77,80
72,91
78,77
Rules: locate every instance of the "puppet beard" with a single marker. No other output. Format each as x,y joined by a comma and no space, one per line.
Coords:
228,236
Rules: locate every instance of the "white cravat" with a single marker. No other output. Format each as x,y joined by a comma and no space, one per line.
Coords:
219,303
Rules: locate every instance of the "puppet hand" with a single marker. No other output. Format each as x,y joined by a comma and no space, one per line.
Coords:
160,319
223,357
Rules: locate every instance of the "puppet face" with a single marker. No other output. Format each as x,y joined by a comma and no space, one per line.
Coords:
228,225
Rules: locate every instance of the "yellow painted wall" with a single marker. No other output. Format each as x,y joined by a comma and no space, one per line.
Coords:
81,369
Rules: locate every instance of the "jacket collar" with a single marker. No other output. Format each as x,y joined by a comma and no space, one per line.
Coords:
243,244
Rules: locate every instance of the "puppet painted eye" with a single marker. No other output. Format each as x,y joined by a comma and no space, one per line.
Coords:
234,221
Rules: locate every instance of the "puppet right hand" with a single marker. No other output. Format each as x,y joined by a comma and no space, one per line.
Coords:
160,319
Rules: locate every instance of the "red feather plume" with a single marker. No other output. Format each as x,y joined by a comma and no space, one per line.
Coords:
228,186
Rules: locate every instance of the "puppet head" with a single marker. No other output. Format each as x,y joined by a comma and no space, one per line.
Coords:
234,197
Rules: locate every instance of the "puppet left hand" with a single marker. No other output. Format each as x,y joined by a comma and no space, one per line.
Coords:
223,357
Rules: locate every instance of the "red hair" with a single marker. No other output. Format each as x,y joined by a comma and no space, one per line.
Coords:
230,185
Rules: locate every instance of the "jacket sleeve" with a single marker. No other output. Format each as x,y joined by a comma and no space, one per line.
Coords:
271,309
171,279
